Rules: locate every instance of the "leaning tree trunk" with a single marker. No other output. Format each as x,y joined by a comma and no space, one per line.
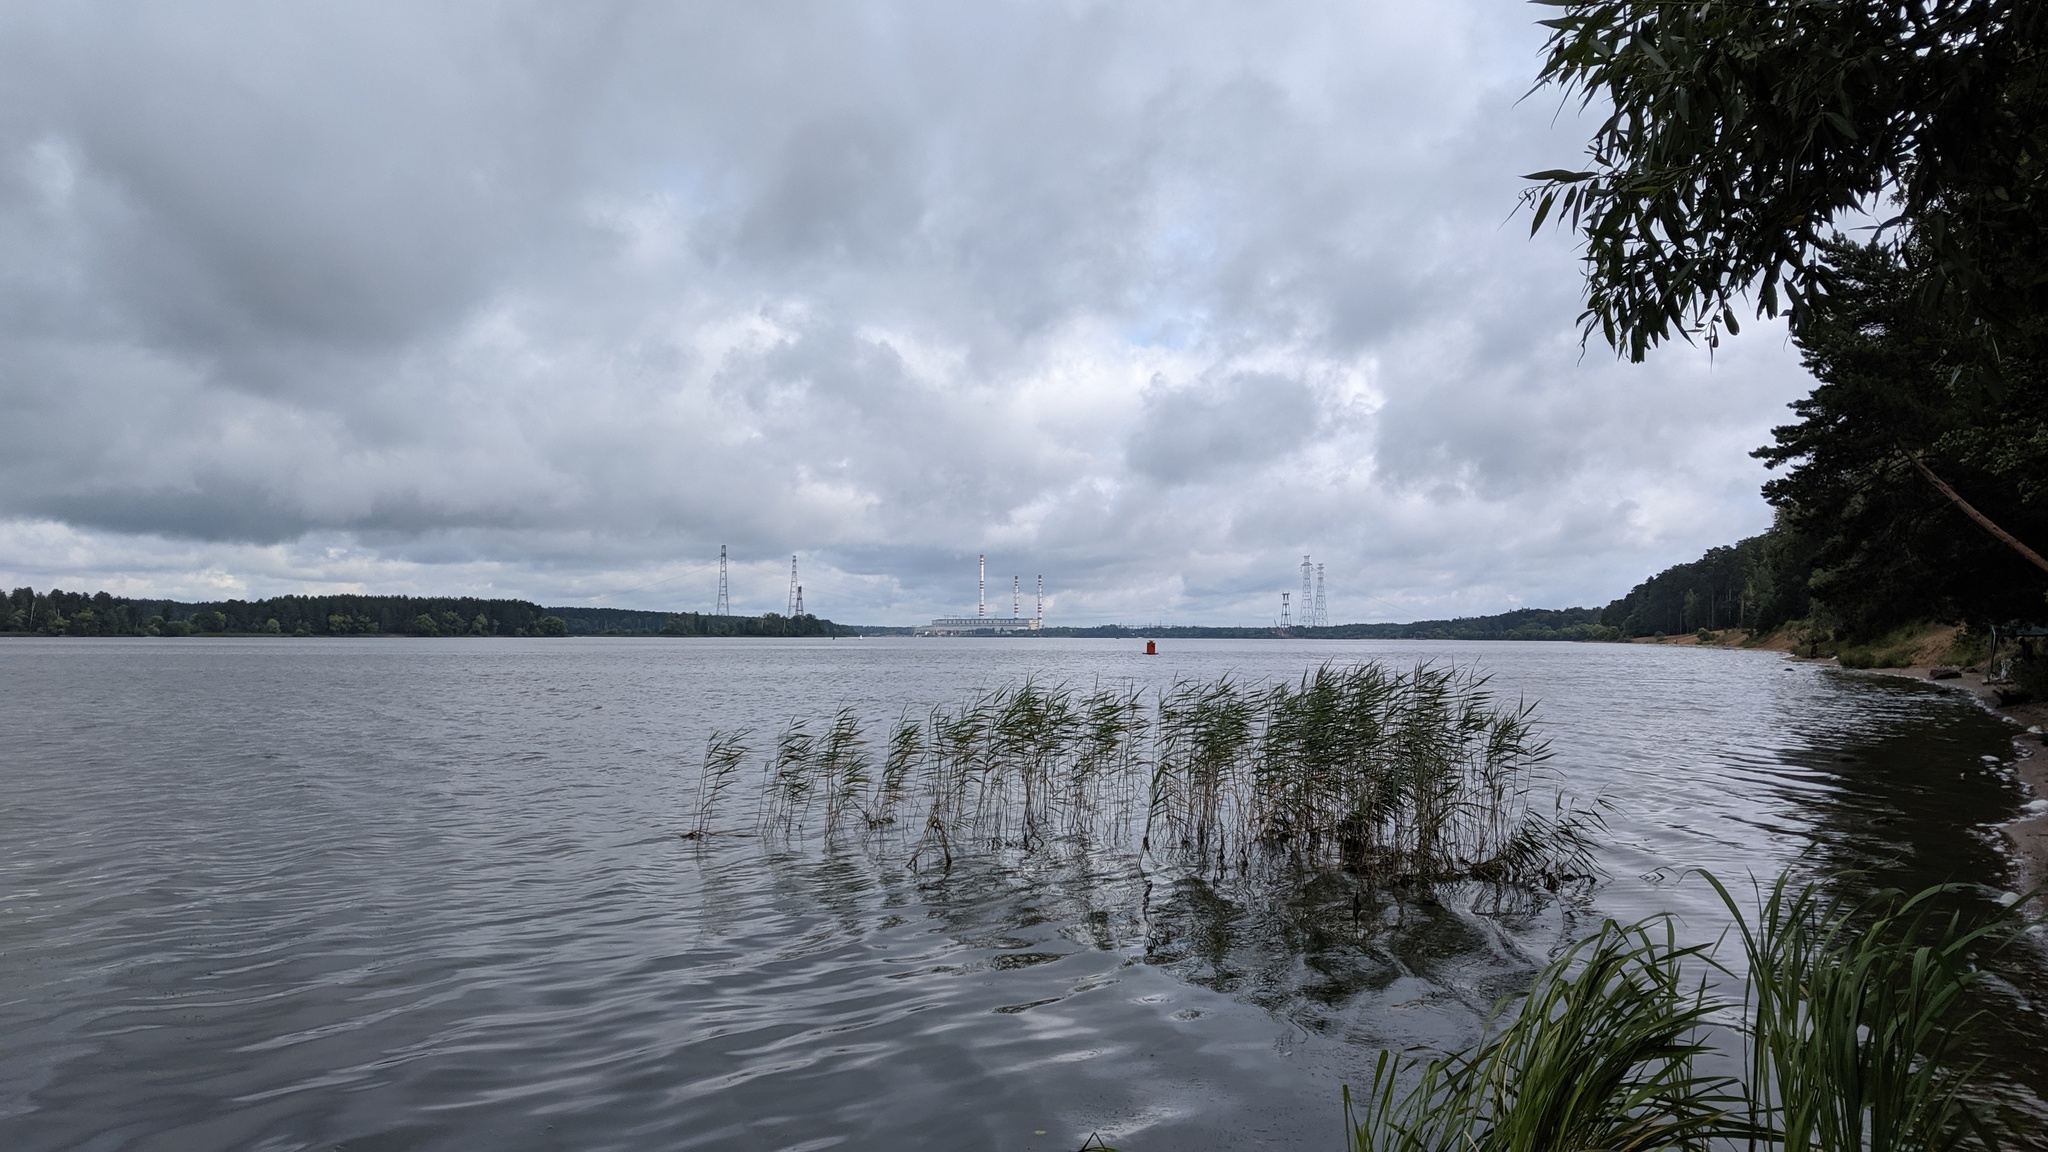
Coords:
1982,520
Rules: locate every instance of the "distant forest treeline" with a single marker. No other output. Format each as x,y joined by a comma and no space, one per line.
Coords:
1759,584
770,624
60,613
1728,587
1520,624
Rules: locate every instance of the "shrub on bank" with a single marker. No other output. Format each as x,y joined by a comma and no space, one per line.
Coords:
1867,657
1971,647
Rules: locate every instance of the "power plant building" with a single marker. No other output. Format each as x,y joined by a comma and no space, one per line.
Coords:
956,625
982,622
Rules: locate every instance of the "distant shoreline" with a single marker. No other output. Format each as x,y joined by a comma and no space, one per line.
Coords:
56,612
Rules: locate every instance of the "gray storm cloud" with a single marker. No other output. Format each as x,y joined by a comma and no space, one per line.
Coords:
553,300
1241,421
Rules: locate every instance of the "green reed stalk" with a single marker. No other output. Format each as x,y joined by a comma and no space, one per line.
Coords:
724,752
1855,1014
1599,1057
1414,778
1029,730
843,767
790,783
906,749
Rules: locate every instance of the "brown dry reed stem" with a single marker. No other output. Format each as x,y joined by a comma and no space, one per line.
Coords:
1416,777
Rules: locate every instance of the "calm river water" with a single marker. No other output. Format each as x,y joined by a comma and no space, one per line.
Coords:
401,894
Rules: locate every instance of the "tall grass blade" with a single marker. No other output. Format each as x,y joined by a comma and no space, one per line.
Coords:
1854,1015
1857,1015
1600,1056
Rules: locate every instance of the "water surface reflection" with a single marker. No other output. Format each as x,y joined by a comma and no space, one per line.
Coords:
431,894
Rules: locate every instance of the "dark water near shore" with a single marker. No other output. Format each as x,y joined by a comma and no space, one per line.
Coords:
430,894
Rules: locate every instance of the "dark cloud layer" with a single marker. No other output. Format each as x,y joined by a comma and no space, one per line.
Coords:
553,300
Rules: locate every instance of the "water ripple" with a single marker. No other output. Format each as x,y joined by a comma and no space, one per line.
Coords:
402,894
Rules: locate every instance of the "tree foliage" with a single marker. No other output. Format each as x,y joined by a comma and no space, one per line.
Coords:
1759,584
60,613
1741,135
769,624
1895,387
1518,624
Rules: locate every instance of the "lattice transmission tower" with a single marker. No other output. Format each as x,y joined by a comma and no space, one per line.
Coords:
796,596
724,605
1320,616
1284,621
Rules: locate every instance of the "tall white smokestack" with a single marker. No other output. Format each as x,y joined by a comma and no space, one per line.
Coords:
981,590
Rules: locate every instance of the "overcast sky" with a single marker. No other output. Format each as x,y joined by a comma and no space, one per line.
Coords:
552,300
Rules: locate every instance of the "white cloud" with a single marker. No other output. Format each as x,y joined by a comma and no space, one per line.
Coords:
553,301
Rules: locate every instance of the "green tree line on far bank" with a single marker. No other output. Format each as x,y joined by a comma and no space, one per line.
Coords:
1518,624
59,613
1758,584
768,624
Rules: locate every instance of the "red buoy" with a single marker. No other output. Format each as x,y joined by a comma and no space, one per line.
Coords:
1151,648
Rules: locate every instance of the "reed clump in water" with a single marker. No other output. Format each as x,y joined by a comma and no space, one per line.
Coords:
1849,1040
1402,777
